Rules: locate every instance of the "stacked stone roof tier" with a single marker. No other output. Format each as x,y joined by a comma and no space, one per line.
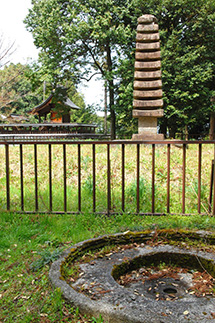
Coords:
147,77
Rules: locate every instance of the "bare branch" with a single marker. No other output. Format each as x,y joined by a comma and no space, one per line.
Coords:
11,79
6,50
94,59
84,78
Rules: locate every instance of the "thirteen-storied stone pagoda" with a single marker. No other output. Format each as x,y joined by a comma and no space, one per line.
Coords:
147,103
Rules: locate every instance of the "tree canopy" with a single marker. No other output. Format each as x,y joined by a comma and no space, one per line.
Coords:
79,38
82,38
16,92
188,63
22,88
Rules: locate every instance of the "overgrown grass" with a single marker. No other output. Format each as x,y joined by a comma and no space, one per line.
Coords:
101,178
29,243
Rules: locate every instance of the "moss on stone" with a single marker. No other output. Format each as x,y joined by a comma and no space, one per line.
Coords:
183,260
167,236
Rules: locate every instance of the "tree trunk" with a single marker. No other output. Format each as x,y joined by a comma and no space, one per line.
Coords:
112,112
163,128
111,93
105,107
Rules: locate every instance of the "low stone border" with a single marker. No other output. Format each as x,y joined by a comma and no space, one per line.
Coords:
120,304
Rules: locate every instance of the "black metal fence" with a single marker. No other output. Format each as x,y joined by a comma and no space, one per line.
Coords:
144,177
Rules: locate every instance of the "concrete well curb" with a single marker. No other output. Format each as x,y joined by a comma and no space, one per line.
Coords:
135,311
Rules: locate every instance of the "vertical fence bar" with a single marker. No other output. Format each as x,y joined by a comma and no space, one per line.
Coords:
108,180
7,176
21,176
153,178
123,177
199,177
50,177
79,177
138,178
36,177
213,184
168,179
64,178
184,178
94,177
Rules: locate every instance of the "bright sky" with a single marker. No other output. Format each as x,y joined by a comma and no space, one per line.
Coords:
12,14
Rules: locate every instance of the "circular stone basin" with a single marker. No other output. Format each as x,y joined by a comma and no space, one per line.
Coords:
169,283
96,291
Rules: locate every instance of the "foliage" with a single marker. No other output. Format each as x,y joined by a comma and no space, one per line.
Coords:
188,52
22,88
87,115
47,257
80,38
16,91
126,124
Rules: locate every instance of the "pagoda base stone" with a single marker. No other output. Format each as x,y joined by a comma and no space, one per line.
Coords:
147,125
148,136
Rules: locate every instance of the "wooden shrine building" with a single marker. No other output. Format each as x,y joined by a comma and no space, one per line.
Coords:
49,107
54,120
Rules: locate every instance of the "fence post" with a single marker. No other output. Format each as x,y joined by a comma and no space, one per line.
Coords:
123,177
94,177
153,178
36,177
213,184
7,176
64,178
199,177
184,178
108,180
50,177
168,178
138,178
79,177
21,177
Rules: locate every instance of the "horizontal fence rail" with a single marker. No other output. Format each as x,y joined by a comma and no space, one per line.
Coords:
141,177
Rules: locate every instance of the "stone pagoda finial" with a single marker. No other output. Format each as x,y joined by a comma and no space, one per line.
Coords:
147,103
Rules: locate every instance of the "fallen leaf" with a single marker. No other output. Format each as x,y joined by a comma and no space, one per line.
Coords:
164,314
